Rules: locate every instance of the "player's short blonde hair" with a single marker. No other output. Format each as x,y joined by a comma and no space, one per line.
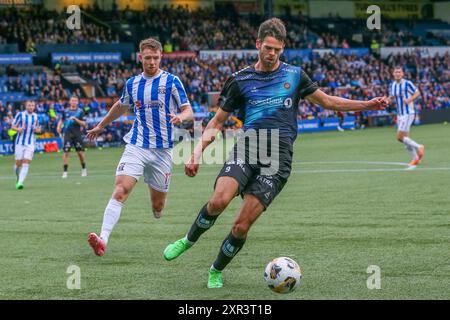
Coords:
150,43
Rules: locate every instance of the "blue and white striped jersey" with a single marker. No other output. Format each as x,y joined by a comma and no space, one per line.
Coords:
27,121
153,99
402,91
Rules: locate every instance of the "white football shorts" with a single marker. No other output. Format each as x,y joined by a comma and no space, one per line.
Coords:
154,164
404,122
24,152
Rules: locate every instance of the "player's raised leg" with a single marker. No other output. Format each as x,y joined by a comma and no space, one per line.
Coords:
249,212
412,151
226,189
415,150
123,187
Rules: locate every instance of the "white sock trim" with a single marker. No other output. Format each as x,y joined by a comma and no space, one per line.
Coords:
190,242
214,269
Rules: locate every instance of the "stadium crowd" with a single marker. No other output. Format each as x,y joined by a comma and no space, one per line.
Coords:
34,25
351,76
346,75
177,27
330,71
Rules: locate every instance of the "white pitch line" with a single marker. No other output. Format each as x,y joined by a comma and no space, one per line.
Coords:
98,173
369,170
355,162
215,173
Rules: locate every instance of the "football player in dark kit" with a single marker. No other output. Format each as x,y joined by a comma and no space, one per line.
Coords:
71,122
266,95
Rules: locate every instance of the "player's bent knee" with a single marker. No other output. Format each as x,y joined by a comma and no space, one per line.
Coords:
218,203
240,229
120,193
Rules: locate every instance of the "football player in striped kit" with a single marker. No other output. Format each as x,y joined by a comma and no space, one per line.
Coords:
403,92
26,124
155,96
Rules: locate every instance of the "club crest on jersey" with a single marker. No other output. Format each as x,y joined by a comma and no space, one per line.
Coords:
162,89
287,85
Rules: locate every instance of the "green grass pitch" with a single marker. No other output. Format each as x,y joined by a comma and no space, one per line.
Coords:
348,204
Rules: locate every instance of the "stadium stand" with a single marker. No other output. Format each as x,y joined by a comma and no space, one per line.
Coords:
351,75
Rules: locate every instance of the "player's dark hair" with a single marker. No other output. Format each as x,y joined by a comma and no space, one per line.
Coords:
151,44
398,67
272,28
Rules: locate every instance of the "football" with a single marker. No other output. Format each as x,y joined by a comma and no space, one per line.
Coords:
282,275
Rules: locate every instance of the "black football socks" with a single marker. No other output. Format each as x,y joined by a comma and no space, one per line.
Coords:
201,224
230,248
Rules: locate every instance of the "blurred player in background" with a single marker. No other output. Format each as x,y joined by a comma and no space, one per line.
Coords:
26,124
264,94
155,95
404,92
72,122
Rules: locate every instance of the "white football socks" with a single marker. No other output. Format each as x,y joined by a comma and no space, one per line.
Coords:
110,218
409,142
412,152
23,172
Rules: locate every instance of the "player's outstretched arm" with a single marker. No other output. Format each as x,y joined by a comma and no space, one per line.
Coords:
208,136
115,112
341,104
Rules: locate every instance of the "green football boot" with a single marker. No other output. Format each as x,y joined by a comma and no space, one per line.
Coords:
215,279
19,186
175,249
